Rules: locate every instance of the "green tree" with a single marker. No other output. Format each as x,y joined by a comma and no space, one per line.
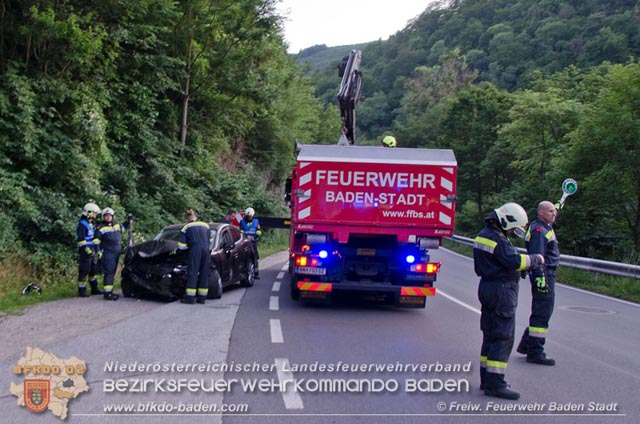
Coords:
603,158
470,128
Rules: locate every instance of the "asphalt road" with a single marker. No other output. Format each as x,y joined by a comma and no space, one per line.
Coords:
265,337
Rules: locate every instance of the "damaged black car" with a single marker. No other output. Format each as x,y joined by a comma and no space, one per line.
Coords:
155,269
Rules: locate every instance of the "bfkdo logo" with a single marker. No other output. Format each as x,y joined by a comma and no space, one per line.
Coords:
49,382
36,394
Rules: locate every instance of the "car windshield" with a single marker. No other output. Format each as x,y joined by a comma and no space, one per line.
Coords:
168,234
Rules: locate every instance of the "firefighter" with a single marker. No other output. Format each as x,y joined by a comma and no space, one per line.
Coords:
498,264
108,242
87,265
250,225
389,141
196,237
541,239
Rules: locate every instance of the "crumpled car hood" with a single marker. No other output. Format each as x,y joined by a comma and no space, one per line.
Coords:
153,270
150,249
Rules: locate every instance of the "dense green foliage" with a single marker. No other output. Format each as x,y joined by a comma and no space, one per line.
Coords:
154,106
147,107
526,93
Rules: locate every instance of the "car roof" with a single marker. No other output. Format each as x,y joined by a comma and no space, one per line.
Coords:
212,226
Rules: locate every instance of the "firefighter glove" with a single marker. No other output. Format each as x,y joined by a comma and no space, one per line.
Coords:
88,251
258,233
541,285
99,254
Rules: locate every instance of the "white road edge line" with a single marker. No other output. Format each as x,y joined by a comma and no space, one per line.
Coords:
273,303
292,399
276,331
285,266
276,286
280,275
459,302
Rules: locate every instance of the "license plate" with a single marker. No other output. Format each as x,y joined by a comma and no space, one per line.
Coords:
311,270
366,252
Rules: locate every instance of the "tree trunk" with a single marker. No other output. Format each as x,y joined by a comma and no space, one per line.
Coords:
185,110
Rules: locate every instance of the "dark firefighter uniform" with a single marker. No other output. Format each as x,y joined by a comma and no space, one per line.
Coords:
498,264
196,237
87,265
108,241
540,239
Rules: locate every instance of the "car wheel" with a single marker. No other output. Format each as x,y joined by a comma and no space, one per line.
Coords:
127,287
215,286
295,291
251,274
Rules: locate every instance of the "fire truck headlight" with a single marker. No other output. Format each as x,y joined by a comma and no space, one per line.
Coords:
323,254
410,259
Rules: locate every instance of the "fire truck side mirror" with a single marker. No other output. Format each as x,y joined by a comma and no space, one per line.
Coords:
287,191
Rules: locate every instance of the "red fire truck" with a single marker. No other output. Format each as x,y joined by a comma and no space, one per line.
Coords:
363,219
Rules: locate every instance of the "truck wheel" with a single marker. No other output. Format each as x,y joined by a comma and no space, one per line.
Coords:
295,291
251,274
127,287
215,286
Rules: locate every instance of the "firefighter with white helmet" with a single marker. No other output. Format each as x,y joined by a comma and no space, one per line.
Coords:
108,243
498,264
87,265
250,225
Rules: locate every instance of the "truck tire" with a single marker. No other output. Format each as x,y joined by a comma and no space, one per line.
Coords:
295,291
215,285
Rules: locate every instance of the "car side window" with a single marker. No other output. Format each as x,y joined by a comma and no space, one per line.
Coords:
236,234
226,239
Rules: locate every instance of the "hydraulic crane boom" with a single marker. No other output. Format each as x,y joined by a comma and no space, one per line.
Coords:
349,95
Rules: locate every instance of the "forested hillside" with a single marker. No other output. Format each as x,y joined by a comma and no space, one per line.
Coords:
154,106
149,107
527,93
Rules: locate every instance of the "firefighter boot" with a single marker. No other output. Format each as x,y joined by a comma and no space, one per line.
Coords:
541,359
82,292
523,346
94,287
189,300
483,374
201,299
503,392
111,296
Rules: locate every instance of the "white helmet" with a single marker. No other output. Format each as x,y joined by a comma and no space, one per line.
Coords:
108,211
512,215
249,212
90,208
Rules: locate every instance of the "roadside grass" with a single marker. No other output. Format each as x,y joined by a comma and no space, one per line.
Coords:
55,278
610,285
273,241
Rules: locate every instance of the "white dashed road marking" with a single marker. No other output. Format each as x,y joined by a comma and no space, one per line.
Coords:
276,331
273,303
292,399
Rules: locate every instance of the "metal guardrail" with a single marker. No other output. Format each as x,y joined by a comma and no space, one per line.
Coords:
586,264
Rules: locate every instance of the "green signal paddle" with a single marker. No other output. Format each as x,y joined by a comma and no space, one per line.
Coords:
569,188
